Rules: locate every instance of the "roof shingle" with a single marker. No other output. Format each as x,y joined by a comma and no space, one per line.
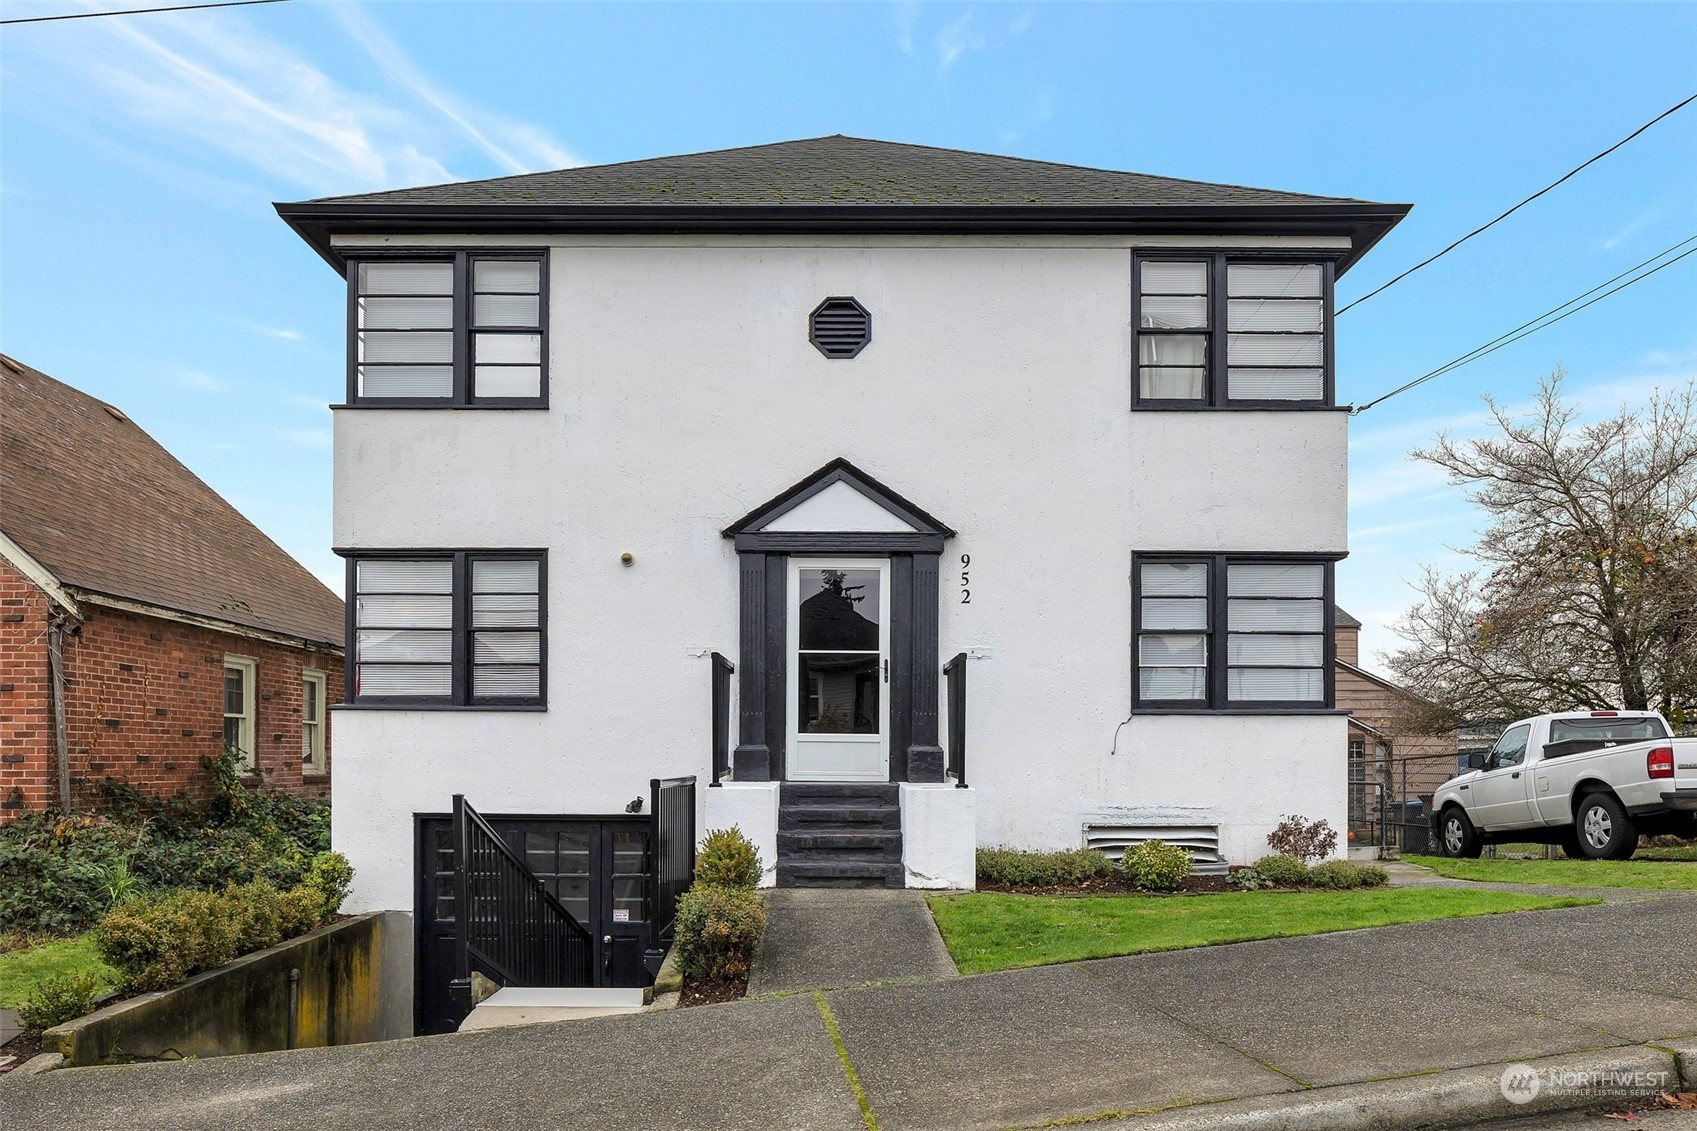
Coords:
98,502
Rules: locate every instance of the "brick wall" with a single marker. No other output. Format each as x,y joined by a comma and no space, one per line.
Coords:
26,722
145,703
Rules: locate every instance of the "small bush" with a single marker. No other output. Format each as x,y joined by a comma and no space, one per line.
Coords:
718,929
330,875
1157,865
1281,870
1304,839
256,912
60,998
727,859
1009,868
1248,879
1342,874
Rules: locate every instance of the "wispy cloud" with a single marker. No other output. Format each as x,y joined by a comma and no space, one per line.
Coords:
516,146
305,437
195,380
1040,110
285,334
956,38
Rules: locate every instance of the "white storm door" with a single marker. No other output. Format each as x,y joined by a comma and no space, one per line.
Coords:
839,669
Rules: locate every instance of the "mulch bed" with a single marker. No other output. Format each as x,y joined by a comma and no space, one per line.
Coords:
712,993
1113,885
23,1046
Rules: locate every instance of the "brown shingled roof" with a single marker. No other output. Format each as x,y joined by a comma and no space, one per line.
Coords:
96,500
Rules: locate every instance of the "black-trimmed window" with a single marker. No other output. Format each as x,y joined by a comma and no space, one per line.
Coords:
1219,631
463,628
1219,330
453,328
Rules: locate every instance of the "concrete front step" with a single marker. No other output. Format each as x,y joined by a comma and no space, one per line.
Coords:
841,874
885,842
839,793
527,1005
838,818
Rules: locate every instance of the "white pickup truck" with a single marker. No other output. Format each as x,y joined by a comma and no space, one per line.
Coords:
1590,781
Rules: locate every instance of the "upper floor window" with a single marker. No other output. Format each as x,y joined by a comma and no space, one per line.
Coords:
1215,330
462,328
459,629
1215,631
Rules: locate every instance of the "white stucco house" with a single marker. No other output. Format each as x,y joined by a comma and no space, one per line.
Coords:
840,414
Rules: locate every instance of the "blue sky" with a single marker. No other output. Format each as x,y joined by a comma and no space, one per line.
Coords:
142,262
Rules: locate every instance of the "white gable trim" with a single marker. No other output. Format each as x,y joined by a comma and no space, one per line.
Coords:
840,508
25,563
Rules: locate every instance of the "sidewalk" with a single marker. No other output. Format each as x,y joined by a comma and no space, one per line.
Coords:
828,938
1101,1038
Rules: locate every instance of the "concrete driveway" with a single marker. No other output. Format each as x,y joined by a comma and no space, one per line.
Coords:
993,1051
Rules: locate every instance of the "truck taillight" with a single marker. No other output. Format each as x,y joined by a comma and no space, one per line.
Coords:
1604,714
1660,762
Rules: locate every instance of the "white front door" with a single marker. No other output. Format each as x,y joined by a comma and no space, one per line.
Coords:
839,669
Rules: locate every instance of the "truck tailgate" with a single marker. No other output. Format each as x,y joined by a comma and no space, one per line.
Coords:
1683,787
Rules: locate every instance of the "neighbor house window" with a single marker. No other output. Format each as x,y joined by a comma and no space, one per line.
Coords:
240,674
466,328
312,722
1218,331
448,629
1215,631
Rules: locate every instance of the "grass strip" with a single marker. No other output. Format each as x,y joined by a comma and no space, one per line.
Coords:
831,1027
23,971
1662,875
987,931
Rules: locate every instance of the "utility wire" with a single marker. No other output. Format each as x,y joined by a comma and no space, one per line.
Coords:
139,11
1522,204
1525,329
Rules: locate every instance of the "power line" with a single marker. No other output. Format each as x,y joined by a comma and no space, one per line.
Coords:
1526,329
140,11
1522,204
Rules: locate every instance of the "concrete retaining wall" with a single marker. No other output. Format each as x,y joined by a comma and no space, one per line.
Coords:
354,984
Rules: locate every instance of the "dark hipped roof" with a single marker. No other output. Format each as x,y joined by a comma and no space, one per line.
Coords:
838,183
97,501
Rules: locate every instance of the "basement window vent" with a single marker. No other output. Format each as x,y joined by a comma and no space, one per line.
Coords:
1201,841
839,327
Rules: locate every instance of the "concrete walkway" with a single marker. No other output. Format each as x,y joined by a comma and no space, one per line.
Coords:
828,938
1262,1022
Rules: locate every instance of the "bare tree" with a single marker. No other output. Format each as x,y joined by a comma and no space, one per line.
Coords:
1586,590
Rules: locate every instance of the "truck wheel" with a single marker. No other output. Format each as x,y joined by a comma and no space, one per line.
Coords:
1604,829
1456,835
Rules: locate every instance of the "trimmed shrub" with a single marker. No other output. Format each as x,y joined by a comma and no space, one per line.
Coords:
60,998
1156,865
157,941
727,859
1304,839
718,929
1281,870
1010,868
1343,874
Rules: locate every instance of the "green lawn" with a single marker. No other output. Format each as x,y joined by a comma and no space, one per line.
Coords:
1575,873
987,931
22,970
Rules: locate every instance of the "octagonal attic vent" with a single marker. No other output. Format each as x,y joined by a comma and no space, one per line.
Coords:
839,327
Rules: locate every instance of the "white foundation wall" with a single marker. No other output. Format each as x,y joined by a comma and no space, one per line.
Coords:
684,393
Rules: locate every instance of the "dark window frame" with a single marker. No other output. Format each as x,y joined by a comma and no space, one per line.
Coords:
463,299
459,697
1214,383
1216,701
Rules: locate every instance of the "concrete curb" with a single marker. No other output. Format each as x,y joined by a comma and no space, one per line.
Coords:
1457,1098
37,1064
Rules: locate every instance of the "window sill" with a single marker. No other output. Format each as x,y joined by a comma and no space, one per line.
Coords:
438,707
526,406
1297,711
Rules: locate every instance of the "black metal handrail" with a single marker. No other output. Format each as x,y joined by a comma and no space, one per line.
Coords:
672,820
955,672
505,920
723,669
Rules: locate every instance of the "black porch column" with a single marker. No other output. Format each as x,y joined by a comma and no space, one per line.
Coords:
924,755
752,759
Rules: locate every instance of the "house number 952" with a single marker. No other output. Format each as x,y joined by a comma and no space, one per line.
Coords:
965,579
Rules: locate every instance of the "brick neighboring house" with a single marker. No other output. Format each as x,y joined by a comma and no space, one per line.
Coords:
1386,763
177,624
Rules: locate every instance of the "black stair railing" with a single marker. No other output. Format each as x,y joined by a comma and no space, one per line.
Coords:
723,669
955,671
507,924
672,820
